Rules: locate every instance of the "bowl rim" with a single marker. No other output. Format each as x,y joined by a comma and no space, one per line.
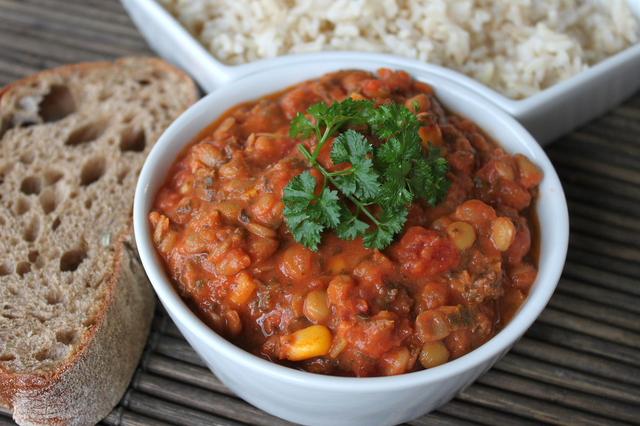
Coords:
498,344
224,73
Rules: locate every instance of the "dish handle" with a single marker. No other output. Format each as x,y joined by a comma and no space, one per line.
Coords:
175,45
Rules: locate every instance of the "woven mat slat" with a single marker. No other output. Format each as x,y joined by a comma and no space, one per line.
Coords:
583,343
614,204
113,418
627,112
603,296
439,419
622,137
605,200
581,209
36,14
560,395
114,6
576,361
121,417
475,413
177,349
79,40
11,71
206,401
169,329
588,274
523,367
132,419
589,327
631,127
593,145
600,163
19,62
603,231
597,183
63,23
58,54
596,311
184,372
621,149
112,15
176,414
80,37
534,409
195,376
605,263
604,248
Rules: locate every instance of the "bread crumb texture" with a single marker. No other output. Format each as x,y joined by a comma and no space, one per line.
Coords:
72,292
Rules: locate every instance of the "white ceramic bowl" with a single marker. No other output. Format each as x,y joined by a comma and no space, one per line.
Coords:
547,115
314,399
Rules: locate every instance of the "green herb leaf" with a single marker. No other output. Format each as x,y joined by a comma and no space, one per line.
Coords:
427,179
326,204
339,112
391,222
360,179
388,121
301,125
394,191
391,175
406,171
307,215
350,226
308,234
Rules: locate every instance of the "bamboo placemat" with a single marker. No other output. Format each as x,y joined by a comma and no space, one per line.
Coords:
579,364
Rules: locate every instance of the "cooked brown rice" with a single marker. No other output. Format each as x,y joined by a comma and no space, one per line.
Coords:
516,47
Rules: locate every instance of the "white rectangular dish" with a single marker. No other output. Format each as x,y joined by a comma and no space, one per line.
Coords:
547,115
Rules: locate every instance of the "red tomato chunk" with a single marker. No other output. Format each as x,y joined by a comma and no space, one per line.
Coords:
449,282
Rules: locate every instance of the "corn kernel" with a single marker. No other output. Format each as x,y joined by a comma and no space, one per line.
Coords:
306,343
245,285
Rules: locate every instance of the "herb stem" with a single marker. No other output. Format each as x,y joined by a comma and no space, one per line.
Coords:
329,176
327,131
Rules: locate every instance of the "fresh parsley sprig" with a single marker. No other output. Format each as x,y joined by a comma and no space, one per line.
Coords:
391,175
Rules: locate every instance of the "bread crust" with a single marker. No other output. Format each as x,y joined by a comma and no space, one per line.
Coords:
91,383
66,69
100,362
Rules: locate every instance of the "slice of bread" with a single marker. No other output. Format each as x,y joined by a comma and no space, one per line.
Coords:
75,304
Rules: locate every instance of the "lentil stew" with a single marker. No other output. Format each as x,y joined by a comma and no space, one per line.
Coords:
452,279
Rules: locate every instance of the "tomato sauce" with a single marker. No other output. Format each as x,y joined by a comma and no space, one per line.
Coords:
451,279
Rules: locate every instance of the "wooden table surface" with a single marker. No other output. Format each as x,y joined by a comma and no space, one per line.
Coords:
579,364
